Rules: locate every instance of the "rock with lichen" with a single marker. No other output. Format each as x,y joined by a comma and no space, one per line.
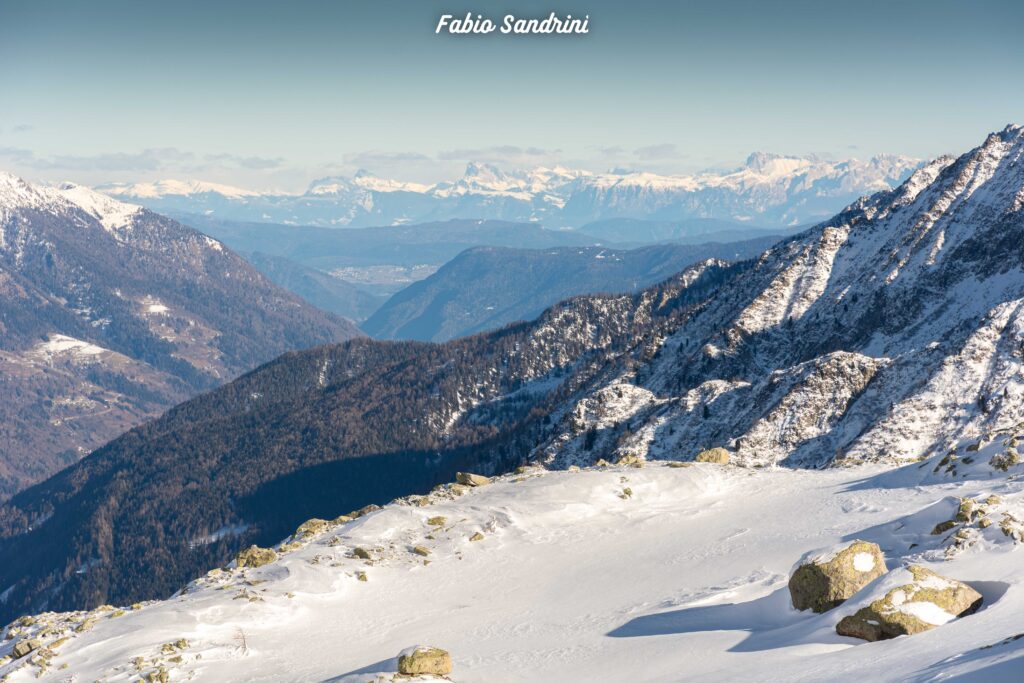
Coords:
255,556
24,647
825,579
717,455
311,527
424,660
924,601
470,479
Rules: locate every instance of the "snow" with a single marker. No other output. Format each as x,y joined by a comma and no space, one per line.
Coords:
17,194
863,562
769,189
113,215
163,188
685,578
928,612
59,344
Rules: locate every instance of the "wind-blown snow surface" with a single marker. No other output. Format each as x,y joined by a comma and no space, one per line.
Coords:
641,574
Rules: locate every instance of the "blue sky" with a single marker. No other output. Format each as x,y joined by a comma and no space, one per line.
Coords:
275,94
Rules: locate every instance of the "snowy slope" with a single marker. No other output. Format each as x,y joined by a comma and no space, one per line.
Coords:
614,574
109,314
769,190
885,333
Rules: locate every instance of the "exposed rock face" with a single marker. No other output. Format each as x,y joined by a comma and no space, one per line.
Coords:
927,601
23,647
719,456
827,580
859,340
425,660
311,527
255,556
467,479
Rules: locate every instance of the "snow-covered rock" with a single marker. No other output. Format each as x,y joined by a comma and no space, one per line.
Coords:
920,601
825,579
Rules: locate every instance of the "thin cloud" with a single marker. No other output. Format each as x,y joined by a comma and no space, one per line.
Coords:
661,151
253,162
373,158
498,153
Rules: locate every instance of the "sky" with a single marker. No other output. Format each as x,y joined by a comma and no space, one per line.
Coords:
270,95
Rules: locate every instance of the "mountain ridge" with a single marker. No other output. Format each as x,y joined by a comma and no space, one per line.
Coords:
110,313
770,190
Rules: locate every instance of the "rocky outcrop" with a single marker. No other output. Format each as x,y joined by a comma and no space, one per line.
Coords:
468,479
255,556
424,660
719,456
24,647
311,527
827,579
927,600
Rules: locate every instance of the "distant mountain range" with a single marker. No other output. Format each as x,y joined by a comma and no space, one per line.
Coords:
404,245
109,314
769,191
488,287
887,333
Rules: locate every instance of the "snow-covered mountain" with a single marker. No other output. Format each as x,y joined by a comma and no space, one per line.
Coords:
887,332
885,335
769,190
110,313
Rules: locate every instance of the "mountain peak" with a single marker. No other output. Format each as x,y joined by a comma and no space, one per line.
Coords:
16,192
114,215
769,163
176,188
481,170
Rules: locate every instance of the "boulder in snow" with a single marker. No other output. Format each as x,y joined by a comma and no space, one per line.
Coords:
927,600
311,527
468,479
826,579
424,660
23,647
717,455
255,556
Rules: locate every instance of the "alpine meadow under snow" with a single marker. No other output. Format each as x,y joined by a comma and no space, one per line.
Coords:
662,461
